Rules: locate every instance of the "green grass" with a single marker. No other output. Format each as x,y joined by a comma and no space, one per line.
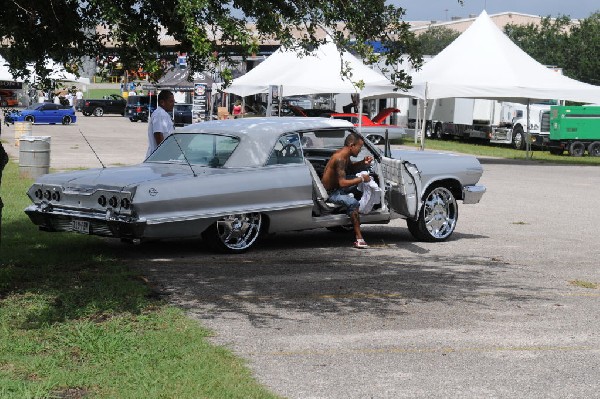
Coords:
99,93
76,322
500,151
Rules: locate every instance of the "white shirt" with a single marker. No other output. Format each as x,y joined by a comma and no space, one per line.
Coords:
160,121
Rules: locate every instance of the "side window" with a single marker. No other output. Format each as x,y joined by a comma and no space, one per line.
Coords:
287,150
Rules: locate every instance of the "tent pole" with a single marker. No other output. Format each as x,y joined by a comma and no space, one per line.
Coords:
243,106
528,153
418,120
360,110
423,126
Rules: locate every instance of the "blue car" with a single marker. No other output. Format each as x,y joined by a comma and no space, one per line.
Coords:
44,113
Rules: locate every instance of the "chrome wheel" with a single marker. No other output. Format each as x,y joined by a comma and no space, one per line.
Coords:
518,138
438,216
237,233
66,120
98,111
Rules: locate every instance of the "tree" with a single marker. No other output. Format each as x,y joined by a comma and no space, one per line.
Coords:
435,39
584,50
207,30
559,42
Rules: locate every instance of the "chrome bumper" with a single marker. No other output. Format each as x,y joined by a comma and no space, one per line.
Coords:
473,194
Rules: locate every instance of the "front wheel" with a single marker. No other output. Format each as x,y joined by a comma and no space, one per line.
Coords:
29,118
234,233
437,218
98,111
518,138
66,120
576,149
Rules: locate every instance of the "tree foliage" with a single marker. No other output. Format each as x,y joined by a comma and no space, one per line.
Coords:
435,39
207,30
561,42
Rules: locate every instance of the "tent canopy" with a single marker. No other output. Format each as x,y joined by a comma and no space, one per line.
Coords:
318,72
484,63
57,72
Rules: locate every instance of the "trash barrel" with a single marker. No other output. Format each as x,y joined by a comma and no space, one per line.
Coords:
22,129
34,156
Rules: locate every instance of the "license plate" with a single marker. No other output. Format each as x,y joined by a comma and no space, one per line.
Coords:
81,226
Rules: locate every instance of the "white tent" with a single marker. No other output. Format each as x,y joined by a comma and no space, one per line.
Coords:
318,72
484,63
57,72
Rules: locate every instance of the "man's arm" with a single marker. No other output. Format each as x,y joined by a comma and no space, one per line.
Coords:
340,170
158,138
361,165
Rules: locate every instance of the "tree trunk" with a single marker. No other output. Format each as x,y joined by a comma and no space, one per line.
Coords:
3,162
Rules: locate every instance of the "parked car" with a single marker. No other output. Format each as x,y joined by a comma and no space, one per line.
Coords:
43,113
233,181
374,129
112,104
139,108
182,114
8,98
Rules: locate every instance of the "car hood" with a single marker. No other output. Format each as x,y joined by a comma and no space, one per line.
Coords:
125,176
384,113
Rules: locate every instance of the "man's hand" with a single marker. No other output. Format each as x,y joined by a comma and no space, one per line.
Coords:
368,159
366,177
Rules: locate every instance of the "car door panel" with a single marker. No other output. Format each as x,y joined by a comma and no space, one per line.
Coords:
403,186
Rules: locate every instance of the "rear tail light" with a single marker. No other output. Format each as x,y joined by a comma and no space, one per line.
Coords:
138,109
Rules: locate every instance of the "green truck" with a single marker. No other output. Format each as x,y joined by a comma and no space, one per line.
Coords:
575,129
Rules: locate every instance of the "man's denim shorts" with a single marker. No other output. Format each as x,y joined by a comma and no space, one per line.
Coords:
342,196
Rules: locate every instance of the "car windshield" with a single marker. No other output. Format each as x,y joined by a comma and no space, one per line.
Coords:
204,149
138,100
35,106
183,107
324,139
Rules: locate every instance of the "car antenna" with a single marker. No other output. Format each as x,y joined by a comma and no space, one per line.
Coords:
88,143
184,157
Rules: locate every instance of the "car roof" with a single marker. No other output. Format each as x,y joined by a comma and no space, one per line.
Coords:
258,135
265,127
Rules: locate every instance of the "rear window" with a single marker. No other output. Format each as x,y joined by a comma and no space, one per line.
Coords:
138,100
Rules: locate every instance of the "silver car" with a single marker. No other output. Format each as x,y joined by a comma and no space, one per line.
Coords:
233,181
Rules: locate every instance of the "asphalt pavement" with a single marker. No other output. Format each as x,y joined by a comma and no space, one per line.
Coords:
501,310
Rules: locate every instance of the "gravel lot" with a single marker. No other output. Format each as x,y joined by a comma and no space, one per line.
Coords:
490,313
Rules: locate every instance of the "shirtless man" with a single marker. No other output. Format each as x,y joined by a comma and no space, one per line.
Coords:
340,177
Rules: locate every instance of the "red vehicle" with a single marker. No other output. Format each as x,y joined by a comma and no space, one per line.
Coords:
8,98
374,129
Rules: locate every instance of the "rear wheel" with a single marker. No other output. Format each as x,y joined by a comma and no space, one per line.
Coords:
518,138
594,149
98,111
66,120
437,217
576,149
234,233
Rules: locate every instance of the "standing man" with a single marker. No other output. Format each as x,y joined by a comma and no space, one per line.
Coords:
160,125
340,177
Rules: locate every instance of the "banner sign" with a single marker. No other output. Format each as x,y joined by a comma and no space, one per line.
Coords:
10,85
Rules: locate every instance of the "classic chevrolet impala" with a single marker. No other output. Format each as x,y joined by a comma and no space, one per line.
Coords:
232,181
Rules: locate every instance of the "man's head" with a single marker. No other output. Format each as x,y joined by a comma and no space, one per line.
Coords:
354,142
166,100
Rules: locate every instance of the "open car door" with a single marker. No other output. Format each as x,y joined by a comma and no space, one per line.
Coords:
403,186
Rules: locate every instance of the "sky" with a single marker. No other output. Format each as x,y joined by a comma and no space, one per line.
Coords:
443,10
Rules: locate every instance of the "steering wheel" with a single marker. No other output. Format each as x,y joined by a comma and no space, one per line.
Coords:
289,150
